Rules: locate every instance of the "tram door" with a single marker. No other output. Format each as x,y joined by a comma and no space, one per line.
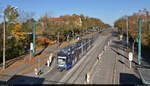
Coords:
69,63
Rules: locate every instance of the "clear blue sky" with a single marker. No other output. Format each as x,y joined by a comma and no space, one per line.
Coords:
106,10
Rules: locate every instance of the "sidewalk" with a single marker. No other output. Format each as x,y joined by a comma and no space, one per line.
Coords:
114,67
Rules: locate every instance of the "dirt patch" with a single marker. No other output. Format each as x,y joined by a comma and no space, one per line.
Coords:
86,36
106,32
31,69
64,44
15,65
25,61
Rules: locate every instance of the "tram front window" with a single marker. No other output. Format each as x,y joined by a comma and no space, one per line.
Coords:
61,61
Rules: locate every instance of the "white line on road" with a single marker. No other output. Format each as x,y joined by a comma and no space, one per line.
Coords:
92,76
52,66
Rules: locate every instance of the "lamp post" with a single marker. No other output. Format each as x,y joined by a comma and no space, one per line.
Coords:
58,37
4,43
34,24
127,31
139,43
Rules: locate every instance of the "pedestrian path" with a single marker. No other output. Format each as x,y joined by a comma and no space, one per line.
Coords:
125,74
114,67
103,73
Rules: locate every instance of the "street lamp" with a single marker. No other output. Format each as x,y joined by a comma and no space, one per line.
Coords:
4,29
34,32
4,43
139,40
127,31
139,43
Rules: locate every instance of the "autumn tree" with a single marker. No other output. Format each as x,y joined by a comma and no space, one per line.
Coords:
133,27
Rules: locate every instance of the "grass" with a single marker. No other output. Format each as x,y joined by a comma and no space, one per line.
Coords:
106,32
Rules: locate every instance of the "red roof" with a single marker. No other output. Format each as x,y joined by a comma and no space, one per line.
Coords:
57,19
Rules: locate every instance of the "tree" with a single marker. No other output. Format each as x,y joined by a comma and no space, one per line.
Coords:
11,14
133,27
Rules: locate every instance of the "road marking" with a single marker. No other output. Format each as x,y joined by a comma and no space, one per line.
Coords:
49,69
46,72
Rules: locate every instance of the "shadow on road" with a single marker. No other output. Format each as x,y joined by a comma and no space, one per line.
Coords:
126,78
3,83
123,63
118,53
27,80
114,48
19,79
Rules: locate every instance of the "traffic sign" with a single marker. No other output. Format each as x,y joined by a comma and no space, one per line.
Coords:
121,36
130,56
31,46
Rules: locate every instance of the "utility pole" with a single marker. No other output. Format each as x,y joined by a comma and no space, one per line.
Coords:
73,33
139,43
67,38
58,38
34,24
122,26
127,32
4,43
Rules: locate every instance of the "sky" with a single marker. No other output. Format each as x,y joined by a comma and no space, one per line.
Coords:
106,10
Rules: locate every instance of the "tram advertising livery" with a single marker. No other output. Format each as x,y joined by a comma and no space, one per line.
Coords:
69,55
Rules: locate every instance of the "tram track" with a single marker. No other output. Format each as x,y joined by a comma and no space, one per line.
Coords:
83,67
55,76
88,65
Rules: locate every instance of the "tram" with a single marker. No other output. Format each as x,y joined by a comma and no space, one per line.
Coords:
68,56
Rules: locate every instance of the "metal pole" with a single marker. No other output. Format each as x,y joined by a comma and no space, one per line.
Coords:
39,64
82,48
58,38
30,55
122,26
139,43
67,38
130,64
4,43
127,32
34,38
